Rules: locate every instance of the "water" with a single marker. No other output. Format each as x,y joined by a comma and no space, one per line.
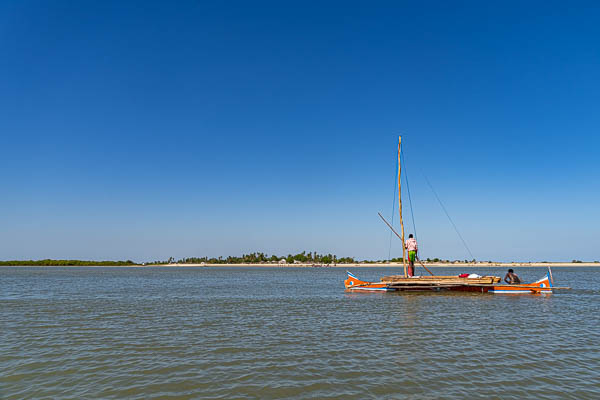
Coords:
262,333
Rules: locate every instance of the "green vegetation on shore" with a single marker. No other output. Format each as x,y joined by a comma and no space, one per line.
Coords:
69,263
252,258
257,258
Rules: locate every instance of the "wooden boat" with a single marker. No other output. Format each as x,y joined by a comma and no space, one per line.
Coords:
482,284
485,284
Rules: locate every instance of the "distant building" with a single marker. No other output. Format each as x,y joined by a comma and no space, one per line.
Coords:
282,261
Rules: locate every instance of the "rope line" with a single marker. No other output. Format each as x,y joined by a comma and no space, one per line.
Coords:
393,207
448,215
412,215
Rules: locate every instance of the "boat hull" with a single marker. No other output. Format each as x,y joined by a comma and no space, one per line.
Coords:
541,286
355,284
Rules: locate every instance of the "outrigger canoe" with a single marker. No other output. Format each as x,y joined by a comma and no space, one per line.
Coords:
470,283
485,284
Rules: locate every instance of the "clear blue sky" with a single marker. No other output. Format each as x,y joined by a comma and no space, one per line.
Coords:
146,130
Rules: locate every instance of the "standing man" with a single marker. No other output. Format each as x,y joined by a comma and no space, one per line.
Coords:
413,248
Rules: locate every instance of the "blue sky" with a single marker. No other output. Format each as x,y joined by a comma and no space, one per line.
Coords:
146,130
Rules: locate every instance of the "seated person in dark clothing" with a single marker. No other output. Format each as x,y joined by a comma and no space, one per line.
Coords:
511,277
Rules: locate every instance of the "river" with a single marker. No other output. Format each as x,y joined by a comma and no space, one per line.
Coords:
294,333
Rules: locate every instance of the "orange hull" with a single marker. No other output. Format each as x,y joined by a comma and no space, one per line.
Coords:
543,285
353,283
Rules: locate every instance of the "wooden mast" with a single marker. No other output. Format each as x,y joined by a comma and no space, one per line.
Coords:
400,205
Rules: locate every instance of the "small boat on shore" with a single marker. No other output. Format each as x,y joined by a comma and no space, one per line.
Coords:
438,283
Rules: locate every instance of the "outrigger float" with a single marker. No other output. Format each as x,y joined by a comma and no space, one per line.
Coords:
471,283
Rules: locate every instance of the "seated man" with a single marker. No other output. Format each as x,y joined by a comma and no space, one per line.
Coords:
511,277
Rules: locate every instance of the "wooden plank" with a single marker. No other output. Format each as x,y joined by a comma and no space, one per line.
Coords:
397,278
440,277
429,284
446,282
424,287
437,277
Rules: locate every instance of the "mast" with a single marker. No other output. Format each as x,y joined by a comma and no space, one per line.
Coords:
400,205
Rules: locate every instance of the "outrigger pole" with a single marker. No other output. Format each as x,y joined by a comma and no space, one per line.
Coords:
400,204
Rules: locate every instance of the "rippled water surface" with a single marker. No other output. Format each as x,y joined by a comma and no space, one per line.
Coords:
75,333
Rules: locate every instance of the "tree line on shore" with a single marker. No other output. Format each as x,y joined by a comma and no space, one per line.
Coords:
303,257
252,258
68,263
261,258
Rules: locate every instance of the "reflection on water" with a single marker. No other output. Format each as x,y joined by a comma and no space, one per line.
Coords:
289,333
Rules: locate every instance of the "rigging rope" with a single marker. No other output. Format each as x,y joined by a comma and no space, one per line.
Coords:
412,215
393,207
448,215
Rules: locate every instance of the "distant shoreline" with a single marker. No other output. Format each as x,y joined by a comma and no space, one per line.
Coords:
350,265
393,265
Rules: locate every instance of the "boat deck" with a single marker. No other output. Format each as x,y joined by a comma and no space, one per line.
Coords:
438,280
482,284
